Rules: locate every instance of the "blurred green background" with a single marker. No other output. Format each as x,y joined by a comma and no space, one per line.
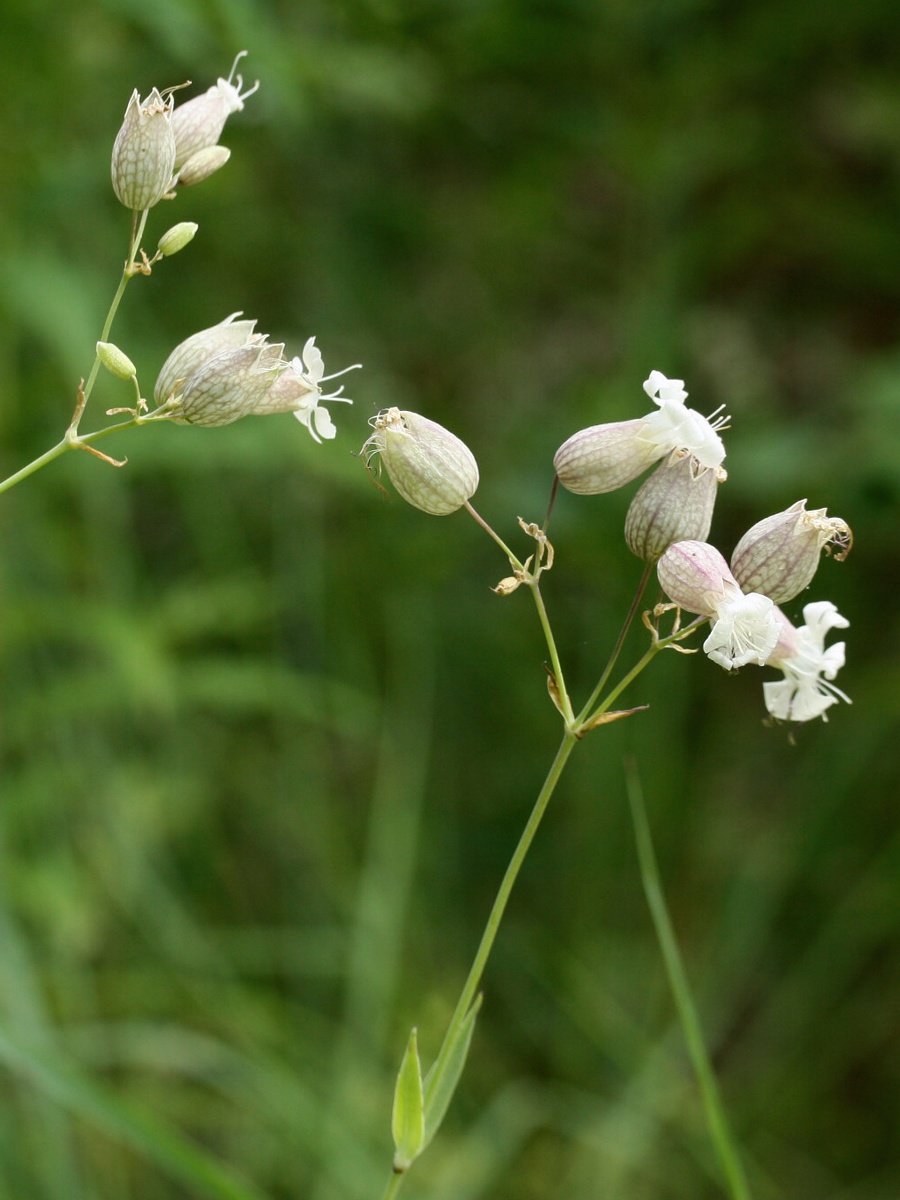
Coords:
268,739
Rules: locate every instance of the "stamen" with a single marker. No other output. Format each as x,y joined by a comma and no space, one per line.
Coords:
355,367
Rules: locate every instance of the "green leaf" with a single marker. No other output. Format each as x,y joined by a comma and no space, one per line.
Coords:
408,1119
441,1080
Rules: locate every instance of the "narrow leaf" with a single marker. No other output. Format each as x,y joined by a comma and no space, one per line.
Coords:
441,1080
408,1119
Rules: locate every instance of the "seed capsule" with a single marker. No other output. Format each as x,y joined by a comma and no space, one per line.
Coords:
429,466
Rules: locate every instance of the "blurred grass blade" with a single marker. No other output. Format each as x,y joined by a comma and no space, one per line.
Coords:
408,1120
150,1136
441,1080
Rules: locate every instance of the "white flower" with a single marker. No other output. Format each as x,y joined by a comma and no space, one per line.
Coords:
745,630
297,390
198,123
676,427
806,691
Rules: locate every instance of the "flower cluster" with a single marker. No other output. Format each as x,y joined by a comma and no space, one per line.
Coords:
668,522
228,371
667,525
772,563
160,146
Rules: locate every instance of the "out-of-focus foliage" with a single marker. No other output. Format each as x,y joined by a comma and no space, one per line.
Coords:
268,740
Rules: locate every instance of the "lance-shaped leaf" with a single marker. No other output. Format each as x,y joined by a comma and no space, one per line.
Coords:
408,1118
441,1080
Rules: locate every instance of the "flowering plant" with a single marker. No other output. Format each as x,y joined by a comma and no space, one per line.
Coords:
228,371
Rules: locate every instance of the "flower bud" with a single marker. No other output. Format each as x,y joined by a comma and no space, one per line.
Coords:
203,164
191,354
230,384
780,554
176,238
673,505
429,466
143,157
116,361
199,122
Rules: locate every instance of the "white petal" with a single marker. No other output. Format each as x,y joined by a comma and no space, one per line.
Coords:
313,364
745,631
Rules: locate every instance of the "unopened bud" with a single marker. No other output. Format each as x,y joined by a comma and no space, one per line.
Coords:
143,157
203,164
116,361
176,238
674,504
429,466
780,554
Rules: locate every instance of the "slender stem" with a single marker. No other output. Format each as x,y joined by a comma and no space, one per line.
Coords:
562,691
620,642
568,714
393,1185
495,536
45,458
476,971
729,1161
73,440
137,226
79,441
512,871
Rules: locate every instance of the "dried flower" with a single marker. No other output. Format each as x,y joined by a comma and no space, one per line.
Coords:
675,503
806,690
602,458
429,466
198,123
143,157
297,390
780,554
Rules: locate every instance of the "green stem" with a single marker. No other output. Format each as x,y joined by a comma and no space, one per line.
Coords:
516,565
393,1185
620,642
512,871
568,714
77,441
138,225
562,691
729,1161
476,971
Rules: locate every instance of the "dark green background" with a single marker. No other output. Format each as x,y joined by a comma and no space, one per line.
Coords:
268,739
